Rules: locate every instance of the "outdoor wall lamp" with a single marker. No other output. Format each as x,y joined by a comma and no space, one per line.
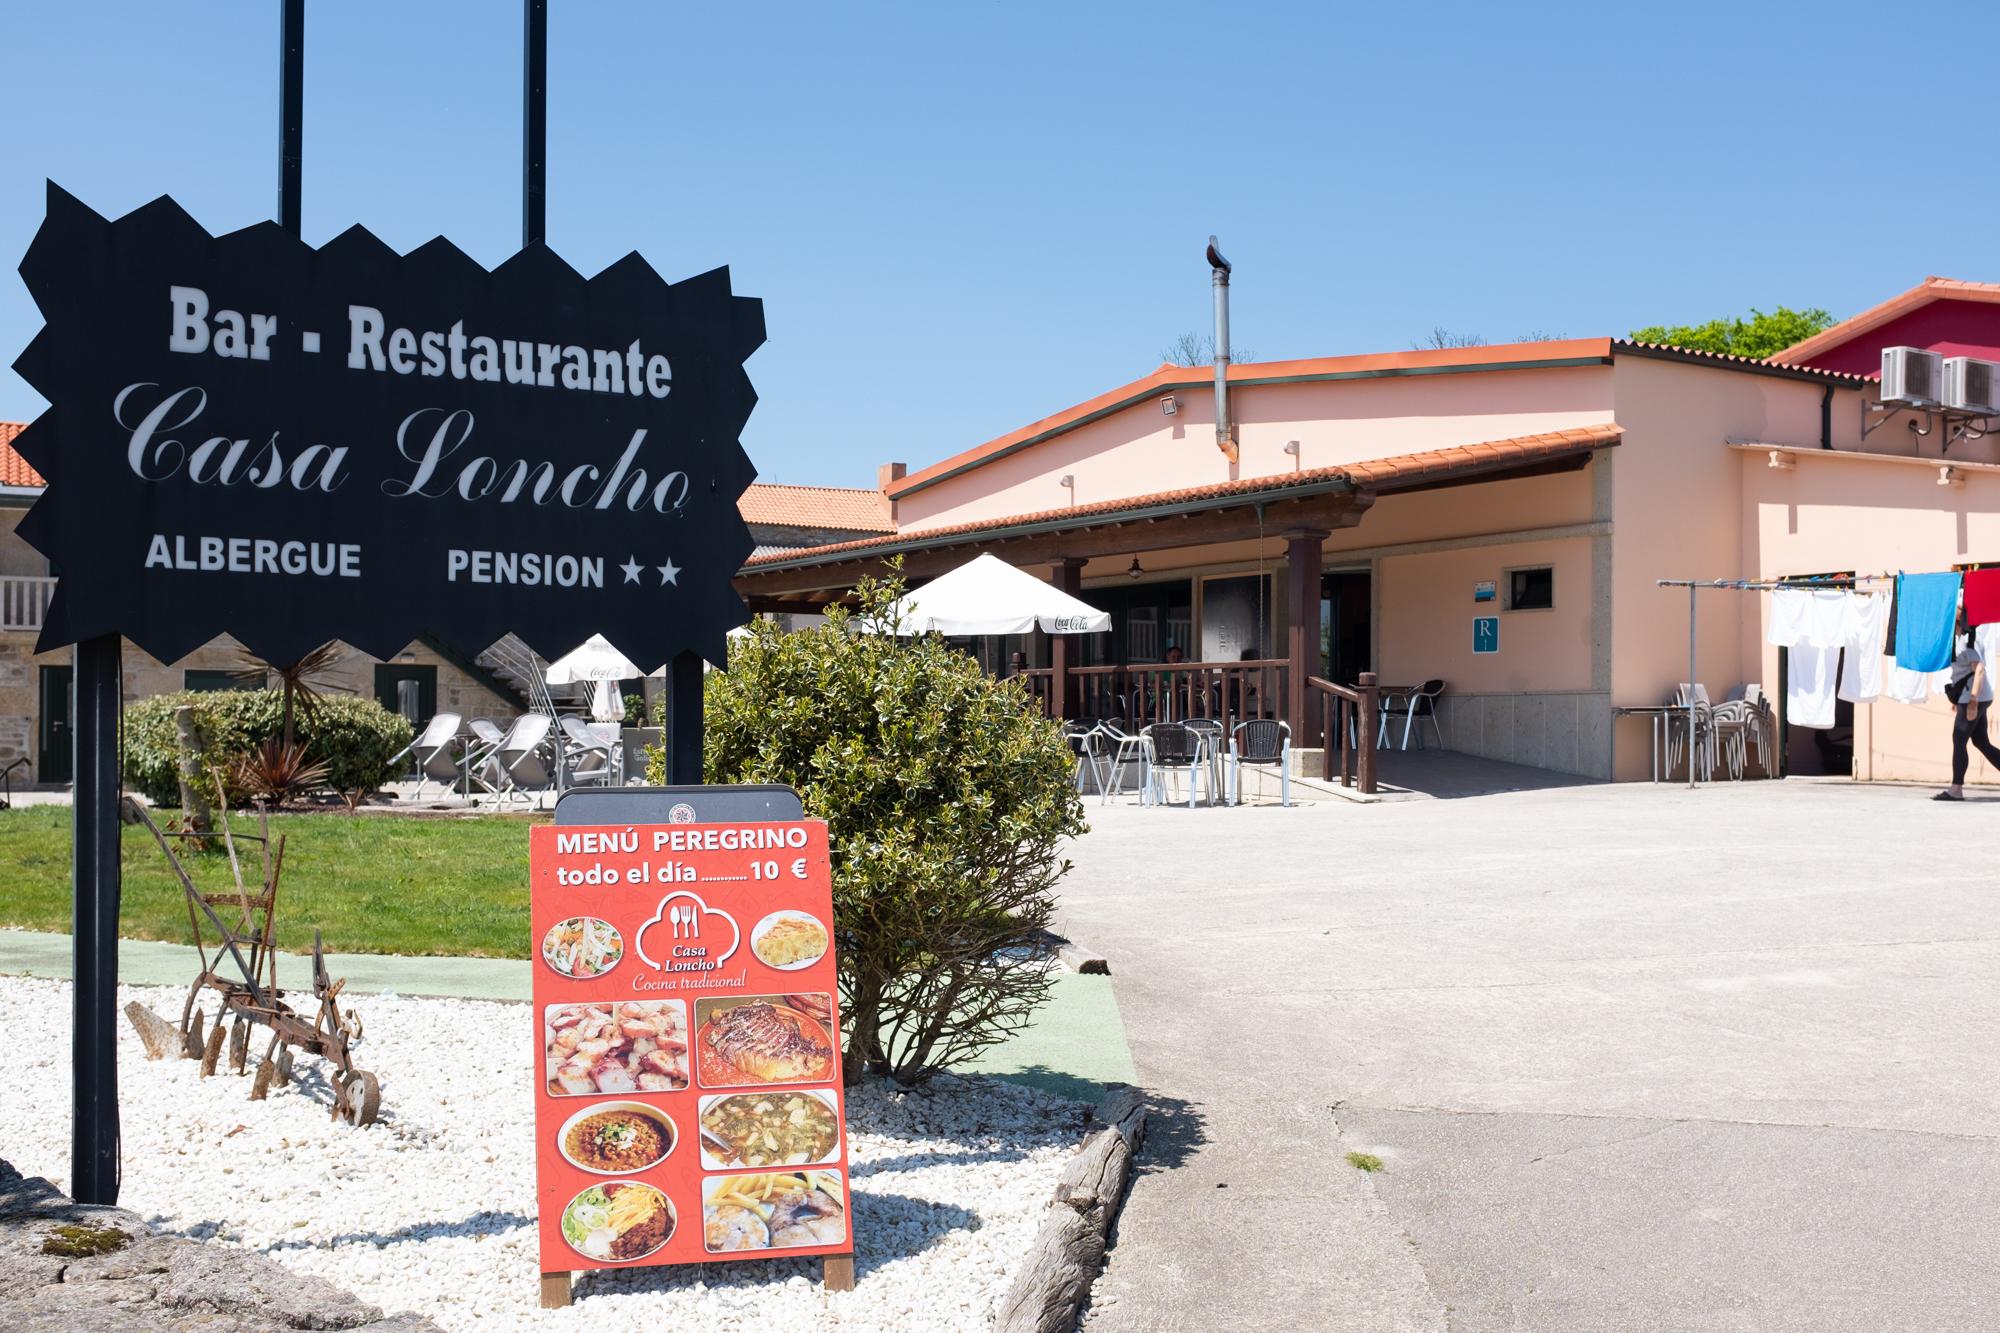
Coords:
1068,481
1292,448
1135,571
1170,405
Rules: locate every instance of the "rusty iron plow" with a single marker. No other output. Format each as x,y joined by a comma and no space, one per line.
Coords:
241,965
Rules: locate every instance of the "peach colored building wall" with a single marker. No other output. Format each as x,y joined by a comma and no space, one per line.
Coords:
1138,450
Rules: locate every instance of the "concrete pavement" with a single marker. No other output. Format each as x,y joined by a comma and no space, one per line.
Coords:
1635,1058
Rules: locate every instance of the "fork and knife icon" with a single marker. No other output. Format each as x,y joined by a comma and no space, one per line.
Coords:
685,919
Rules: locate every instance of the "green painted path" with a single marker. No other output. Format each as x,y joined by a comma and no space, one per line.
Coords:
1074,1047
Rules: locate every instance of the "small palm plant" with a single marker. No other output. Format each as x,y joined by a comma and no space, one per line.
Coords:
279,770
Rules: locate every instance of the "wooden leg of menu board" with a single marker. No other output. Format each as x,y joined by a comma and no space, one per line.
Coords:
836,1272
555,1290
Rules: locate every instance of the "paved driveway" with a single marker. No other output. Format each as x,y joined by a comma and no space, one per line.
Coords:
1635,1058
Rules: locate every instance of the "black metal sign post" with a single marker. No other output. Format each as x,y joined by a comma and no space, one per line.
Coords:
247,435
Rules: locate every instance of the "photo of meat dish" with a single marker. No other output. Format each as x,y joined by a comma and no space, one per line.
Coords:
789,940
772,1212
769,1129
583,946
634,1046
618,1222
764,1039
617,1138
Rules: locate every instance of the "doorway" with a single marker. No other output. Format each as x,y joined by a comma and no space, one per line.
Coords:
409,690
57,749
1346,624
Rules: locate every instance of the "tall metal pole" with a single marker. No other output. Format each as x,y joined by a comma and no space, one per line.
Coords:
535,122
291,114
94,926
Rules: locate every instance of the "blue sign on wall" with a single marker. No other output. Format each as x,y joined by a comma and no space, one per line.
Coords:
1486,634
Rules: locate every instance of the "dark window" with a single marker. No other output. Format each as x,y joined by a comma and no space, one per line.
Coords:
1531,589
212,680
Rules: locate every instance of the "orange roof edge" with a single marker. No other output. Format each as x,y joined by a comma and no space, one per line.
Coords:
15,473
1169,377
1933,288
1428,466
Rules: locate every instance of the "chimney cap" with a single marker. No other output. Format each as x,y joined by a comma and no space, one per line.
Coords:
1215,259
889,474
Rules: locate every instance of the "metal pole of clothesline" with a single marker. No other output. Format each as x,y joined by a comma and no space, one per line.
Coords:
1691,680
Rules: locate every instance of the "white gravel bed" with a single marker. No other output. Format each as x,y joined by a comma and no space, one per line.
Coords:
432,1209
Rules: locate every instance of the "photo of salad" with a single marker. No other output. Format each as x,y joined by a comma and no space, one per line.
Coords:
618,1222
583,946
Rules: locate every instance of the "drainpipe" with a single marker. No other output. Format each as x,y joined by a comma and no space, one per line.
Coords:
1225,431
1826,418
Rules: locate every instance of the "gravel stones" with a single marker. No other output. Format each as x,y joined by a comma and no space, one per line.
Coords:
432,1209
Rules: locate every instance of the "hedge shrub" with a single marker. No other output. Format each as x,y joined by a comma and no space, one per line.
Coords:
355,736
947,796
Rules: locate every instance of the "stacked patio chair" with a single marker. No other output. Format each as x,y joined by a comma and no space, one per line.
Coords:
486,738
436,752
1748,720
1261,743
1718,735
524,761
1412,708
586,759
1172,747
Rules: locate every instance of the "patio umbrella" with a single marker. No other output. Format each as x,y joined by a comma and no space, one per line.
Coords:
990,596
597,662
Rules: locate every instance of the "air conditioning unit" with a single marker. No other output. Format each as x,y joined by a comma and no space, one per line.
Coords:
1912,377
1972,385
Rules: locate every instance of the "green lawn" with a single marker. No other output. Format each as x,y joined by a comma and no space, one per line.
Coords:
372,883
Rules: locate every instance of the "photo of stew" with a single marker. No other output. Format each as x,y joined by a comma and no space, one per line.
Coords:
618,1138
764,1039
769,1129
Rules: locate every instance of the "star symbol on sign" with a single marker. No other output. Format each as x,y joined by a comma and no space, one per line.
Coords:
669,573
631,568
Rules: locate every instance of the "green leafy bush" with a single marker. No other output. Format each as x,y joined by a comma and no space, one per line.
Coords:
354,737
947,796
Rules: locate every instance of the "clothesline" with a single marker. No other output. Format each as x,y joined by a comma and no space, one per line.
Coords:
1840,649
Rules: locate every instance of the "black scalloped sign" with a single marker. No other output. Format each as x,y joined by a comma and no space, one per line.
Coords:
255,437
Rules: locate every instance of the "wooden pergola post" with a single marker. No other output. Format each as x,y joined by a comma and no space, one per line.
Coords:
1067,575
1303,563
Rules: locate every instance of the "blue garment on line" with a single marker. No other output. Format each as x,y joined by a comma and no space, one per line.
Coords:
1926,614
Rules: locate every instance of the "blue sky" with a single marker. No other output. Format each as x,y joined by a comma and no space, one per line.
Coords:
964,217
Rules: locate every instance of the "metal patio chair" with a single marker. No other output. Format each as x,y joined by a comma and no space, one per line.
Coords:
524,761
586,758
436,752
1216,743
1173,747
1413,707
1261,743
1117,747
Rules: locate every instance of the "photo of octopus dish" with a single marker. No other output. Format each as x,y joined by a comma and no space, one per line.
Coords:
763,1039
612,1047
772,1212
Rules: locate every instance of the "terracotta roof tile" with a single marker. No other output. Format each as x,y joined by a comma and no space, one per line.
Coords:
839,508
14,469
1399,472
1930,289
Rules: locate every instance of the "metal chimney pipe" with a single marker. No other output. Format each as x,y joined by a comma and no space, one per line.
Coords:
1225,430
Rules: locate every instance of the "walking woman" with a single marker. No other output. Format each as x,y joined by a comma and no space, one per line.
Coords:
1970,690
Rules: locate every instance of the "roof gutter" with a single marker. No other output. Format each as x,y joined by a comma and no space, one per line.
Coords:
1064,523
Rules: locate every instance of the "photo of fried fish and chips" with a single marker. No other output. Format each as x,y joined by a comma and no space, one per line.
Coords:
763,1039
768,1212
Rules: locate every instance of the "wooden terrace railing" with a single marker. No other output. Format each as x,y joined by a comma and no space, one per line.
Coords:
1351,716
1229,692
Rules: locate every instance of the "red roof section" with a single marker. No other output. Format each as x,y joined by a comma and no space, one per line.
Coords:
1930,289
14,469
1402,472
837,508
1171,377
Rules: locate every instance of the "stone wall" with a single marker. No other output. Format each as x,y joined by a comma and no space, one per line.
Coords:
1567,731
